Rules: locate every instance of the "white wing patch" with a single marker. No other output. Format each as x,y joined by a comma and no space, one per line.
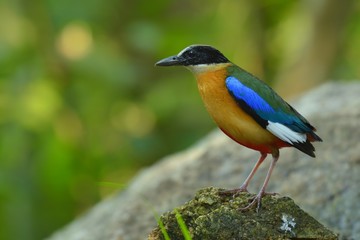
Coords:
285,133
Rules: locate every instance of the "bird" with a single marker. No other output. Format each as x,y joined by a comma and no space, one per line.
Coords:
246,109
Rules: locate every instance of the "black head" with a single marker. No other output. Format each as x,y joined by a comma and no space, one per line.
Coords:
195,55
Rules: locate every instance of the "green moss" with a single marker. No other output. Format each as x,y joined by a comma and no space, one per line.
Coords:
213,216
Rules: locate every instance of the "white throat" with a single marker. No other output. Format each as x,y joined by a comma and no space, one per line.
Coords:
200,68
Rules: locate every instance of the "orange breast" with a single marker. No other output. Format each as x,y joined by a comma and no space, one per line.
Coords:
230,118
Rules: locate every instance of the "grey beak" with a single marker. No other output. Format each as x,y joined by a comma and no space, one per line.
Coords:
170,61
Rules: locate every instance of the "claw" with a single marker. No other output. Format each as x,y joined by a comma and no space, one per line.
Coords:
234,192
257,200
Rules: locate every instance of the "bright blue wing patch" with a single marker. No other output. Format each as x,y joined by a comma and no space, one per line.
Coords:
260,109
240,91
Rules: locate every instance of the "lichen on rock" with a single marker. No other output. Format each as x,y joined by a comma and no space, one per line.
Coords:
210,215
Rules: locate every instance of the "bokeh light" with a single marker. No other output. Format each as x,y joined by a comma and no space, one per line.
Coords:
75,41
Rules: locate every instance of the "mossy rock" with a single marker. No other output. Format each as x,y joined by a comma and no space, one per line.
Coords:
211,215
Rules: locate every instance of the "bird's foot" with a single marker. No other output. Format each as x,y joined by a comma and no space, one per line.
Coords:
234,192
255,200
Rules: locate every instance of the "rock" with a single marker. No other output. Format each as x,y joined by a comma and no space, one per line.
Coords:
210,215
326,187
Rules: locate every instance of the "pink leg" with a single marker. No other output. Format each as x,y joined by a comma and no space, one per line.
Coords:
261,193
243,187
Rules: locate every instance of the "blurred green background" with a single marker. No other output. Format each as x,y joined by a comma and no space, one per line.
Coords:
82,107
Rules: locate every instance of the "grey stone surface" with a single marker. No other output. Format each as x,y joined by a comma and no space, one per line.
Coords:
327,187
